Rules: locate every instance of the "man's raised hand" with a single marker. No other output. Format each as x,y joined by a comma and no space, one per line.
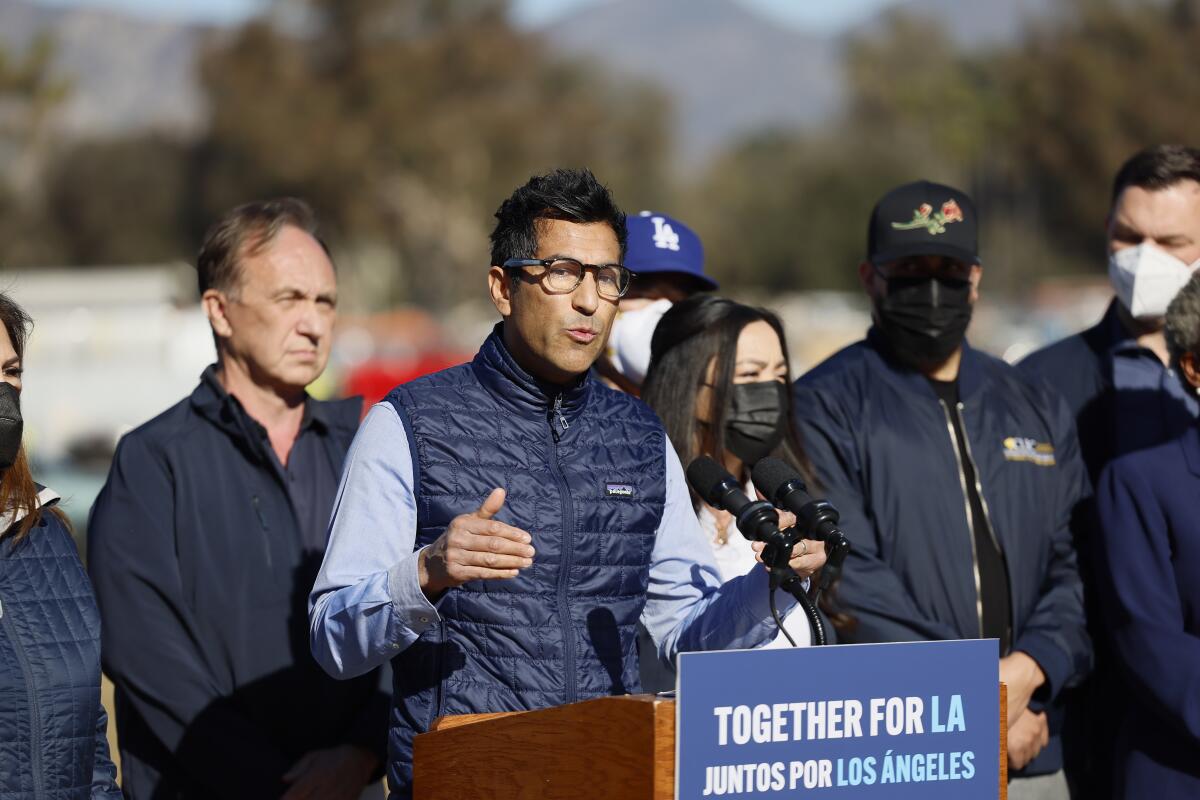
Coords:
474,547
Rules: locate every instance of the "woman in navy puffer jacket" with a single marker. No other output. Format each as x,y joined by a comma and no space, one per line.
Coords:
52,725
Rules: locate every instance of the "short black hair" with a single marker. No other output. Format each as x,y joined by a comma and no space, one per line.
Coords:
1157,168
571,195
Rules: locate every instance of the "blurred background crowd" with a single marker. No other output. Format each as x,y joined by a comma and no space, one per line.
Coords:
771,126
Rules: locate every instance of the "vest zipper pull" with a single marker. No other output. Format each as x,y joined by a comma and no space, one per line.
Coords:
557,419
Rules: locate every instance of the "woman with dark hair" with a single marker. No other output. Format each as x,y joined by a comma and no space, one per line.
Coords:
719,381
52,725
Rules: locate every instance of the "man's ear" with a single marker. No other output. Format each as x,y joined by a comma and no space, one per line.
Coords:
975,278
501,290
1190,366
215,304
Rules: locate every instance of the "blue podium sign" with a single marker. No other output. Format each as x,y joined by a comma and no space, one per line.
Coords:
911,720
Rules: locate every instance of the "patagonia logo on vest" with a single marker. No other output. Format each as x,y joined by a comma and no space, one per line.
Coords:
618,489
1019,448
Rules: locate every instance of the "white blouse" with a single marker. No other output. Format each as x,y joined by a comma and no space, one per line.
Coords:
735,557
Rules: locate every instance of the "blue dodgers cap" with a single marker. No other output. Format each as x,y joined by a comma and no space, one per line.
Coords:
660,244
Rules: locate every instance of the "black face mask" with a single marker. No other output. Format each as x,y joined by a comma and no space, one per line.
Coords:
756,424
924,320
11,425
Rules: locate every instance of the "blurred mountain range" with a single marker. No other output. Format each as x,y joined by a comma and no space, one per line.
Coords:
731,70
728,69
125,72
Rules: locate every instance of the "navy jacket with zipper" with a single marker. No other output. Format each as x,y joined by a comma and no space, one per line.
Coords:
566,629
53,728
202,579
1147,554
1111,423
883,447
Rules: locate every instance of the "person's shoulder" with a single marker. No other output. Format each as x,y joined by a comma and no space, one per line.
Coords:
1065,356
49,538
997,369
1016,384
159,432
1076,361
842,366
1057,352
838,387
342,414
54,531
1157,475
618,404
442,380
1167,457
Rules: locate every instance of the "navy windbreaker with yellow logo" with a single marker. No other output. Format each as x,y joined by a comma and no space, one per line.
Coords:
883,449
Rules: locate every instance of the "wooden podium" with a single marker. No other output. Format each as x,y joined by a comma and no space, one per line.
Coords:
611,748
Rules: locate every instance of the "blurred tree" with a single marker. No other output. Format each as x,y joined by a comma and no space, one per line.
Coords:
30,90
1033,131
789,211
407,122
1112,77
786,212
919,98
121,201
89,202
948,115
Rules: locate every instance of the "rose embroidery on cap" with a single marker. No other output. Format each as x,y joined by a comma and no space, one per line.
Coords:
935,223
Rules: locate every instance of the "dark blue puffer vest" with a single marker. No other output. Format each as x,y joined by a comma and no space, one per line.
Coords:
52,726
584,472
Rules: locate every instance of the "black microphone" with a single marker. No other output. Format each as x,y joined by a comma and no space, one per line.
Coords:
816,519
781,482
756,519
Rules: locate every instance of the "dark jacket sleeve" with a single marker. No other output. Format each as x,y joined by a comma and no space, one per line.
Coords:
1055,634
875,594
369,728
1140,603
104,771
151,646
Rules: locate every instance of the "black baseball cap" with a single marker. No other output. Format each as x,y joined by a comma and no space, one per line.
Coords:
923,219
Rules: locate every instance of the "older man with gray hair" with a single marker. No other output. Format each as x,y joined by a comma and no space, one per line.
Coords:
1148,576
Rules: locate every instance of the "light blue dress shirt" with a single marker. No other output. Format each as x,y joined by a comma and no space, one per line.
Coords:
367,605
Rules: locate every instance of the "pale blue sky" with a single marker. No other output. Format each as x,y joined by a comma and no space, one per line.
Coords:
816,15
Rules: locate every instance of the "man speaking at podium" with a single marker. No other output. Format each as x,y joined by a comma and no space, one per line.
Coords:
501,526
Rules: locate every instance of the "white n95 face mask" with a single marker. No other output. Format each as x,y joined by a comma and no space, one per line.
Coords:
1147,278
629,342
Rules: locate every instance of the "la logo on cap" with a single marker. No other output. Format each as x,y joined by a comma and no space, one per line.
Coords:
665,237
